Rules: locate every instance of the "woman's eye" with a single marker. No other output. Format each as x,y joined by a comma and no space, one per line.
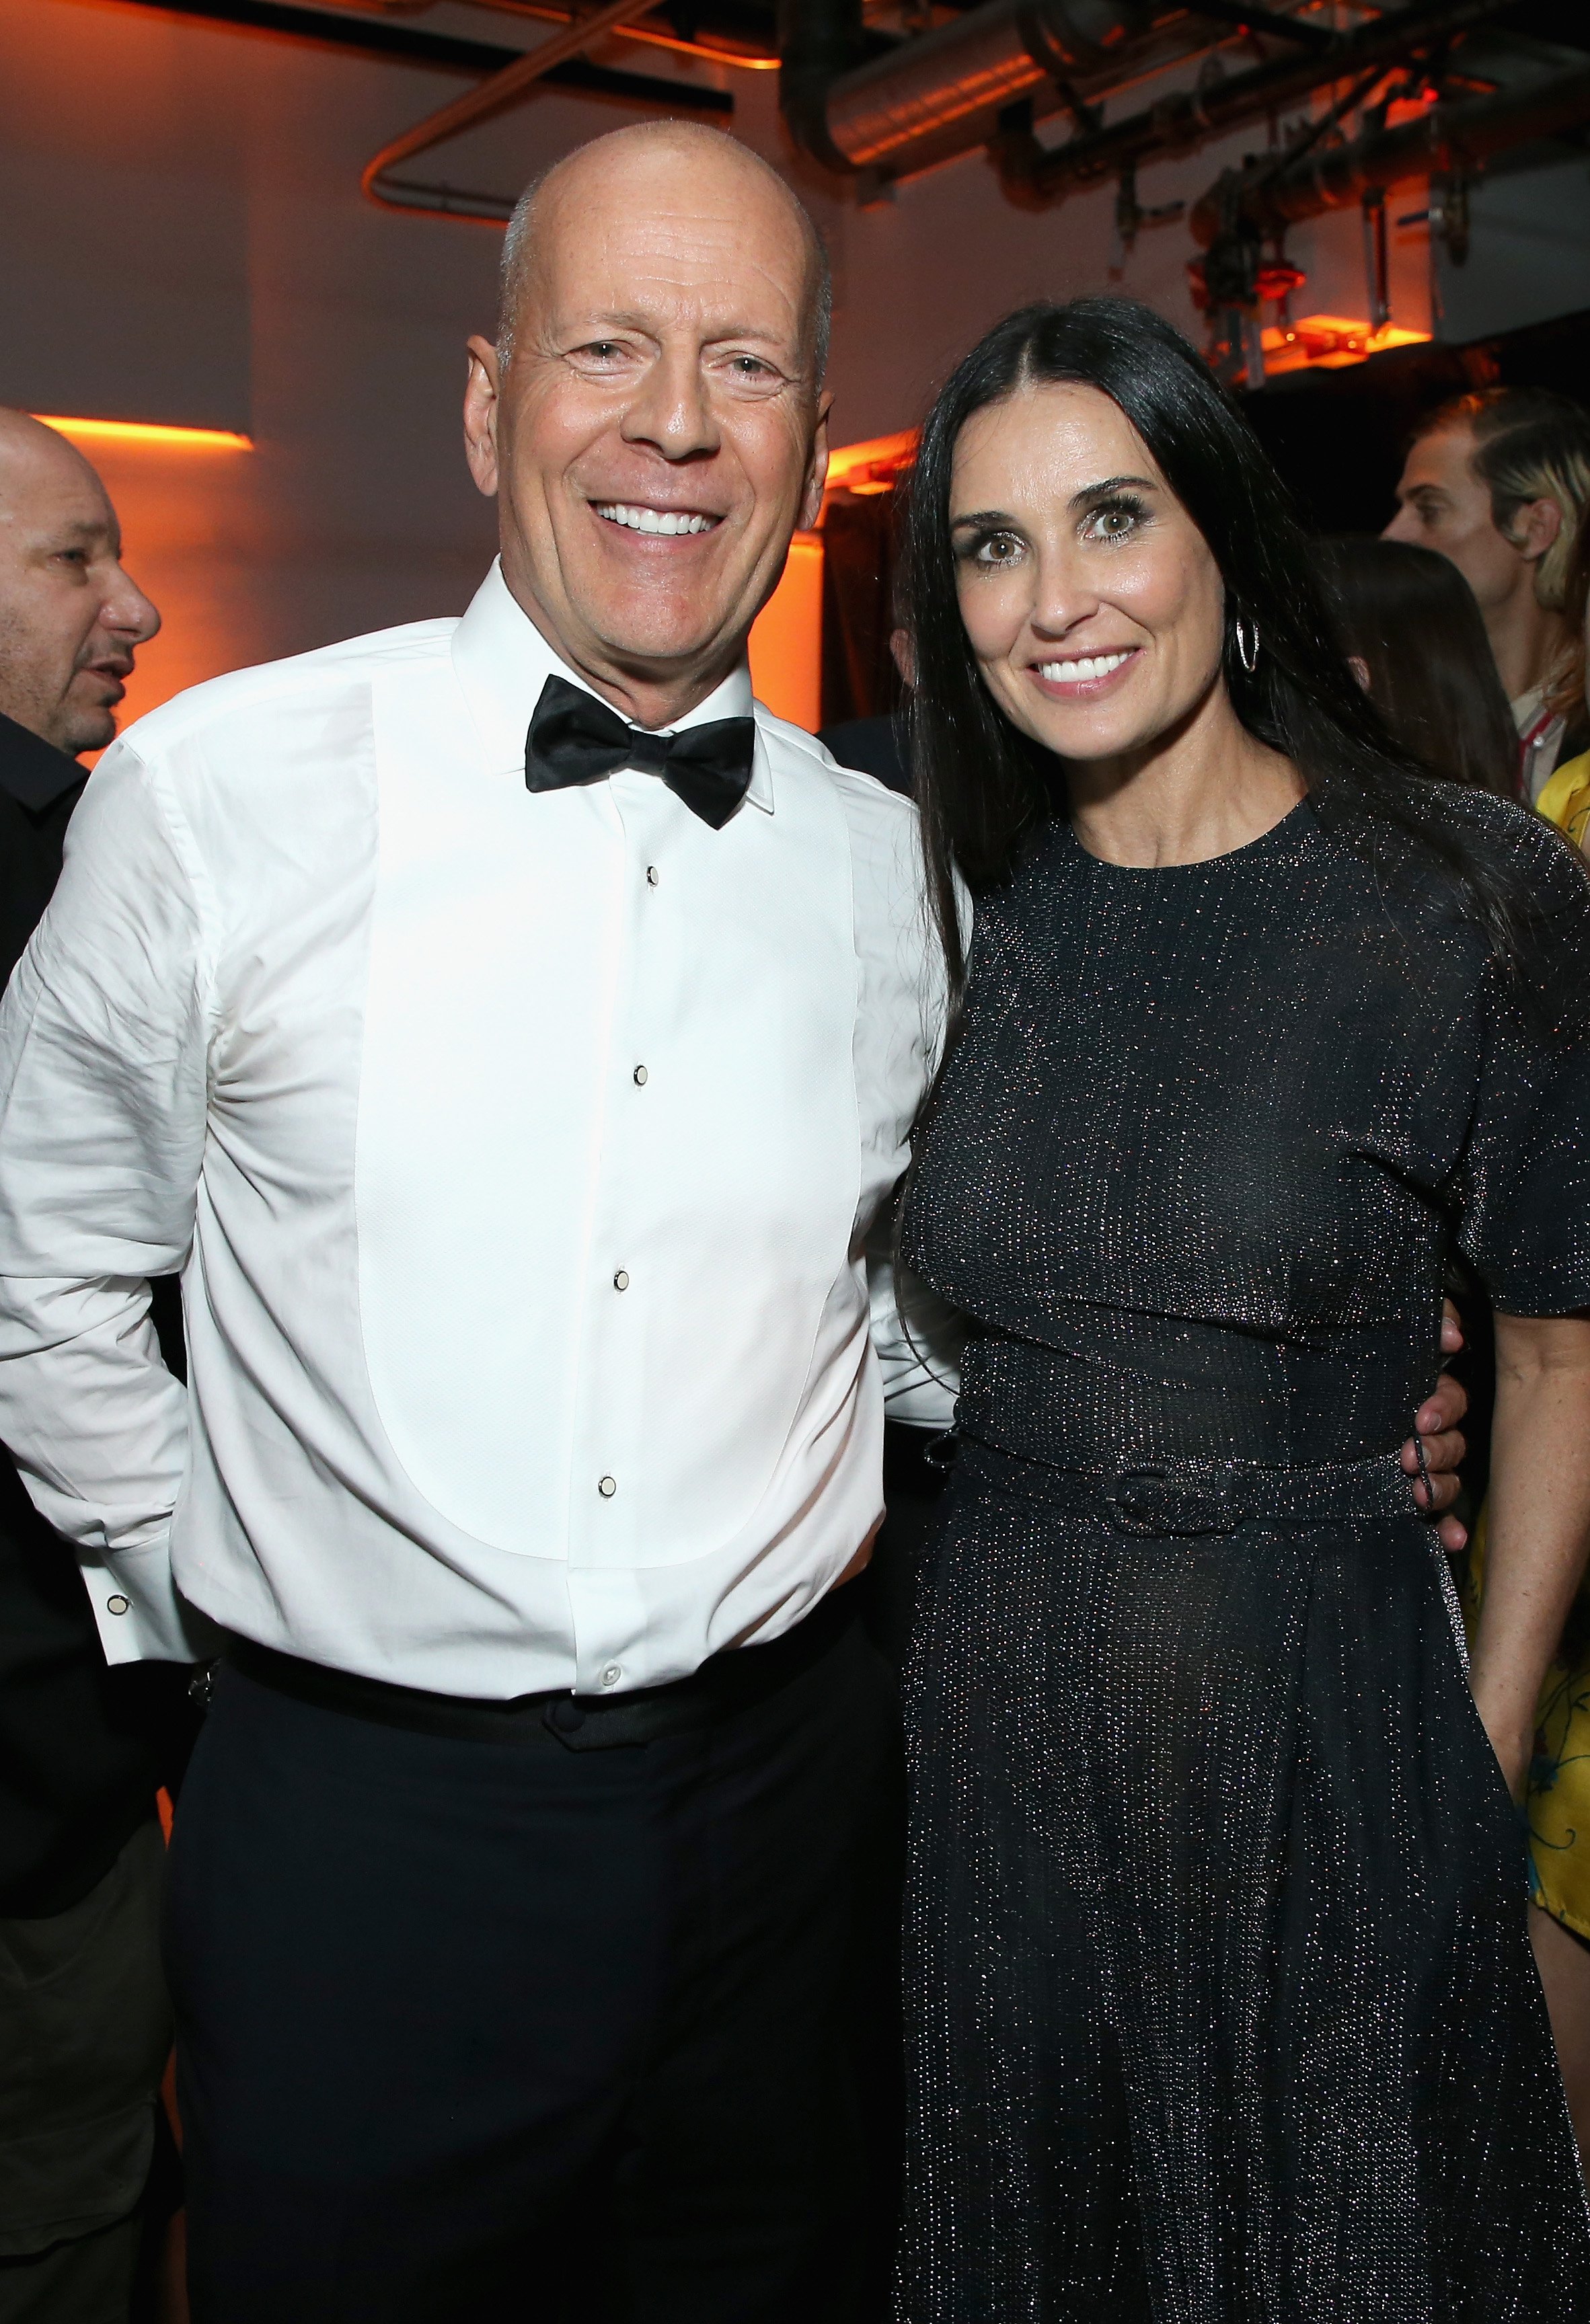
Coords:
998,549
1114,522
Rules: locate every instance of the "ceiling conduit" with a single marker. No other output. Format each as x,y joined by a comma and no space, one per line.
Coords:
943,93
502,89
1180,121
952,90
1447,141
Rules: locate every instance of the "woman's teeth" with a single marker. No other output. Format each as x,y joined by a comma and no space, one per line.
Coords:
647,520
1068,673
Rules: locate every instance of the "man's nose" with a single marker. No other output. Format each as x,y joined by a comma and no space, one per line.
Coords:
674,409
1404,526
128,612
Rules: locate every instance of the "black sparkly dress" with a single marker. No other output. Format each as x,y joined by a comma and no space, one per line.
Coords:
1221,2001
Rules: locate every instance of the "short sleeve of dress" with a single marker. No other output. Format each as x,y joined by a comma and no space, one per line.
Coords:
1522,1189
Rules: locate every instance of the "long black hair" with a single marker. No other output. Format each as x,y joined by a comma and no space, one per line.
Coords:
1410,618
982,787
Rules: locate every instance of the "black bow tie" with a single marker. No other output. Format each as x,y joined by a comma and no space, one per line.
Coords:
574,738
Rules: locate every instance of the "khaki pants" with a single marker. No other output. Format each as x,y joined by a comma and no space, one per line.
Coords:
84,2029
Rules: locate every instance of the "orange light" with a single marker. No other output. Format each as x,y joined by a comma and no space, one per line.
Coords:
872,467
787,639
1331,343
149,431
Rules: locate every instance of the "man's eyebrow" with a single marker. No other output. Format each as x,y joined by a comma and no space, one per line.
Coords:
594,325
1112,484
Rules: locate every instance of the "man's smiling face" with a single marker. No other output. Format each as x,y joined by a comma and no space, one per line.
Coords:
656,434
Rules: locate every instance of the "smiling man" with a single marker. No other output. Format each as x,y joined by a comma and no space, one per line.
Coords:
513,1032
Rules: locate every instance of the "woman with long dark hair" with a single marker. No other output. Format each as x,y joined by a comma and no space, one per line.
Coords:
1221,1996
1414,637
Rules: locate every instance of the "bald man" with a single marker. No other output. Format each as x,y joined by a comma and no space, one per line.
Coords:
84,2025
513,1032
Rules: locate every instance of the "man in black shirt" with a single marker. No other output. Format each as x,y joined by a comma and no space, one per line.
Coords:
84,2023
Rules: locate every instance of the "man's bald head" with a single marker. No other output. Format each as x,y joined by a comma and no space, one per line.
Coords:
643,157
70,619
661,428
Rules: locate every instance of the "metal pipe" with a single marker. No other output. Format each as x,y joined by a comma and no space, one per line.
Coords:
1447,139
818,41
1187,118
381,34
942,93
724,41
988,58
479,104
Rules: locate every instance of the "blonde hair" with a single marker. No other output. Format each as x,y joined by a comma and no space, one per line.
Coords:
1530,444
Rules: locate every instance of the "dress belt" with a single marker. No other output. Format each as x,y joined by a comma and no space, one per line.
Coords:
1177,1498
727,1682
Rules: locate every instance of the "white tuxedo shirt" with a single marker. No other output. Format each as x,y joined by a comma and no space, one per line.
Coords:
518,1153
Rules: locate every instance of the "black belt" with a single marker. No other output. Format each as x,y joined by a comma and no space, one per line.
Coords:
728,1682
1160,1499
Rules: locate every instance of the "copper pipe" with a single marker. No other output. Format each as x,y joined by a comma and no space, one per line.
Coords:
479,104
744,60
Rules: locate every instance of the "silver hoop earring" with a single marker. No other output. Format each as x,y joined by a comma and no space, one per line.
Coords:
1248,656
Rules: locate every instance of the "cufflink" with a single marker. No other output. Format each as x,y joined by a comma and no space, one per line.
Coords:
118,1604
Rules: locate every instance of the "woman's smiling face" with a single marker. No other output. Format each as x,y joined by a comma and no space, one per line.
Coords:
1094,605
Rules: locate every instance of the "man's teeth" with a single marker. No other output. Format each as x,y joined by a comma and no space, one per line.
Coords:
647,520
1068,673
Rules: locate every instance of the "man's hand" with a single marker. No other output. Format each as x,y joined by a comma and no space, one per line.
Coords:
1444,1446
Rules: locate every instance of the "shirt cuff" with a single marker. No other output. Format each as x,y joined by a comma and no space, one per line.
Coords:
138,1614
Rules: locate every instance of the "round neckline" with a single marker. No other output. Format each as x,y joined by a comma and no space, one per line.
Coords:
1288,823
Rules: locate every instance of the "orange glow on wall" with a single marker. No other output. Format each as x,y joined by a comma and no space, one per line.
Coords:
148,431
1332,342
873,467
787,639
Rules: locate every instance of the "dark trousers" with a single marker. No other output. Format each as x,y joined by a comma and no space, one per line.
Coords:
509,2031
85,2032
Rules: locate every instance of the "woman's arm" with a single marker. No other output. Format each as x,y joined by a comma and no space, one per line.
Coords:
1538,1527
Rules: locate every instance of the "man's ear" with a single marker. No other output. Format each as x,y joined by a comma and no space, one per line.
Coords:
1534,528
481,391
816,474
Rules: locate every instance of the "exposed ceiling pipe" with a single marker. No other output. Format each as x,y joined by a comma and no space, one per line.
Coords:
1447,140
382,35
1032,173
819,40
943,92
502,89
722,43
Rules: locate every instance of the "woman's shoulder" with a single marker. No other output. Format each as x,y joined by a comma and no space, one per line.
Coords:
1523,848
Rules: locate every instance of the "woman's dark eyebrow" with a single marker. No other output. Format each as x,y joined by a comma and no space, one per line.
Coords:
1111,484
984,516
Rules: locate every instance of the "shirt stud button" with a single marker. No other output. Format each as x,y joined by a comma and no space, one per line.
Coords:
119,1604
641,1077
606,1487
621,1280
612,1674
652,875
